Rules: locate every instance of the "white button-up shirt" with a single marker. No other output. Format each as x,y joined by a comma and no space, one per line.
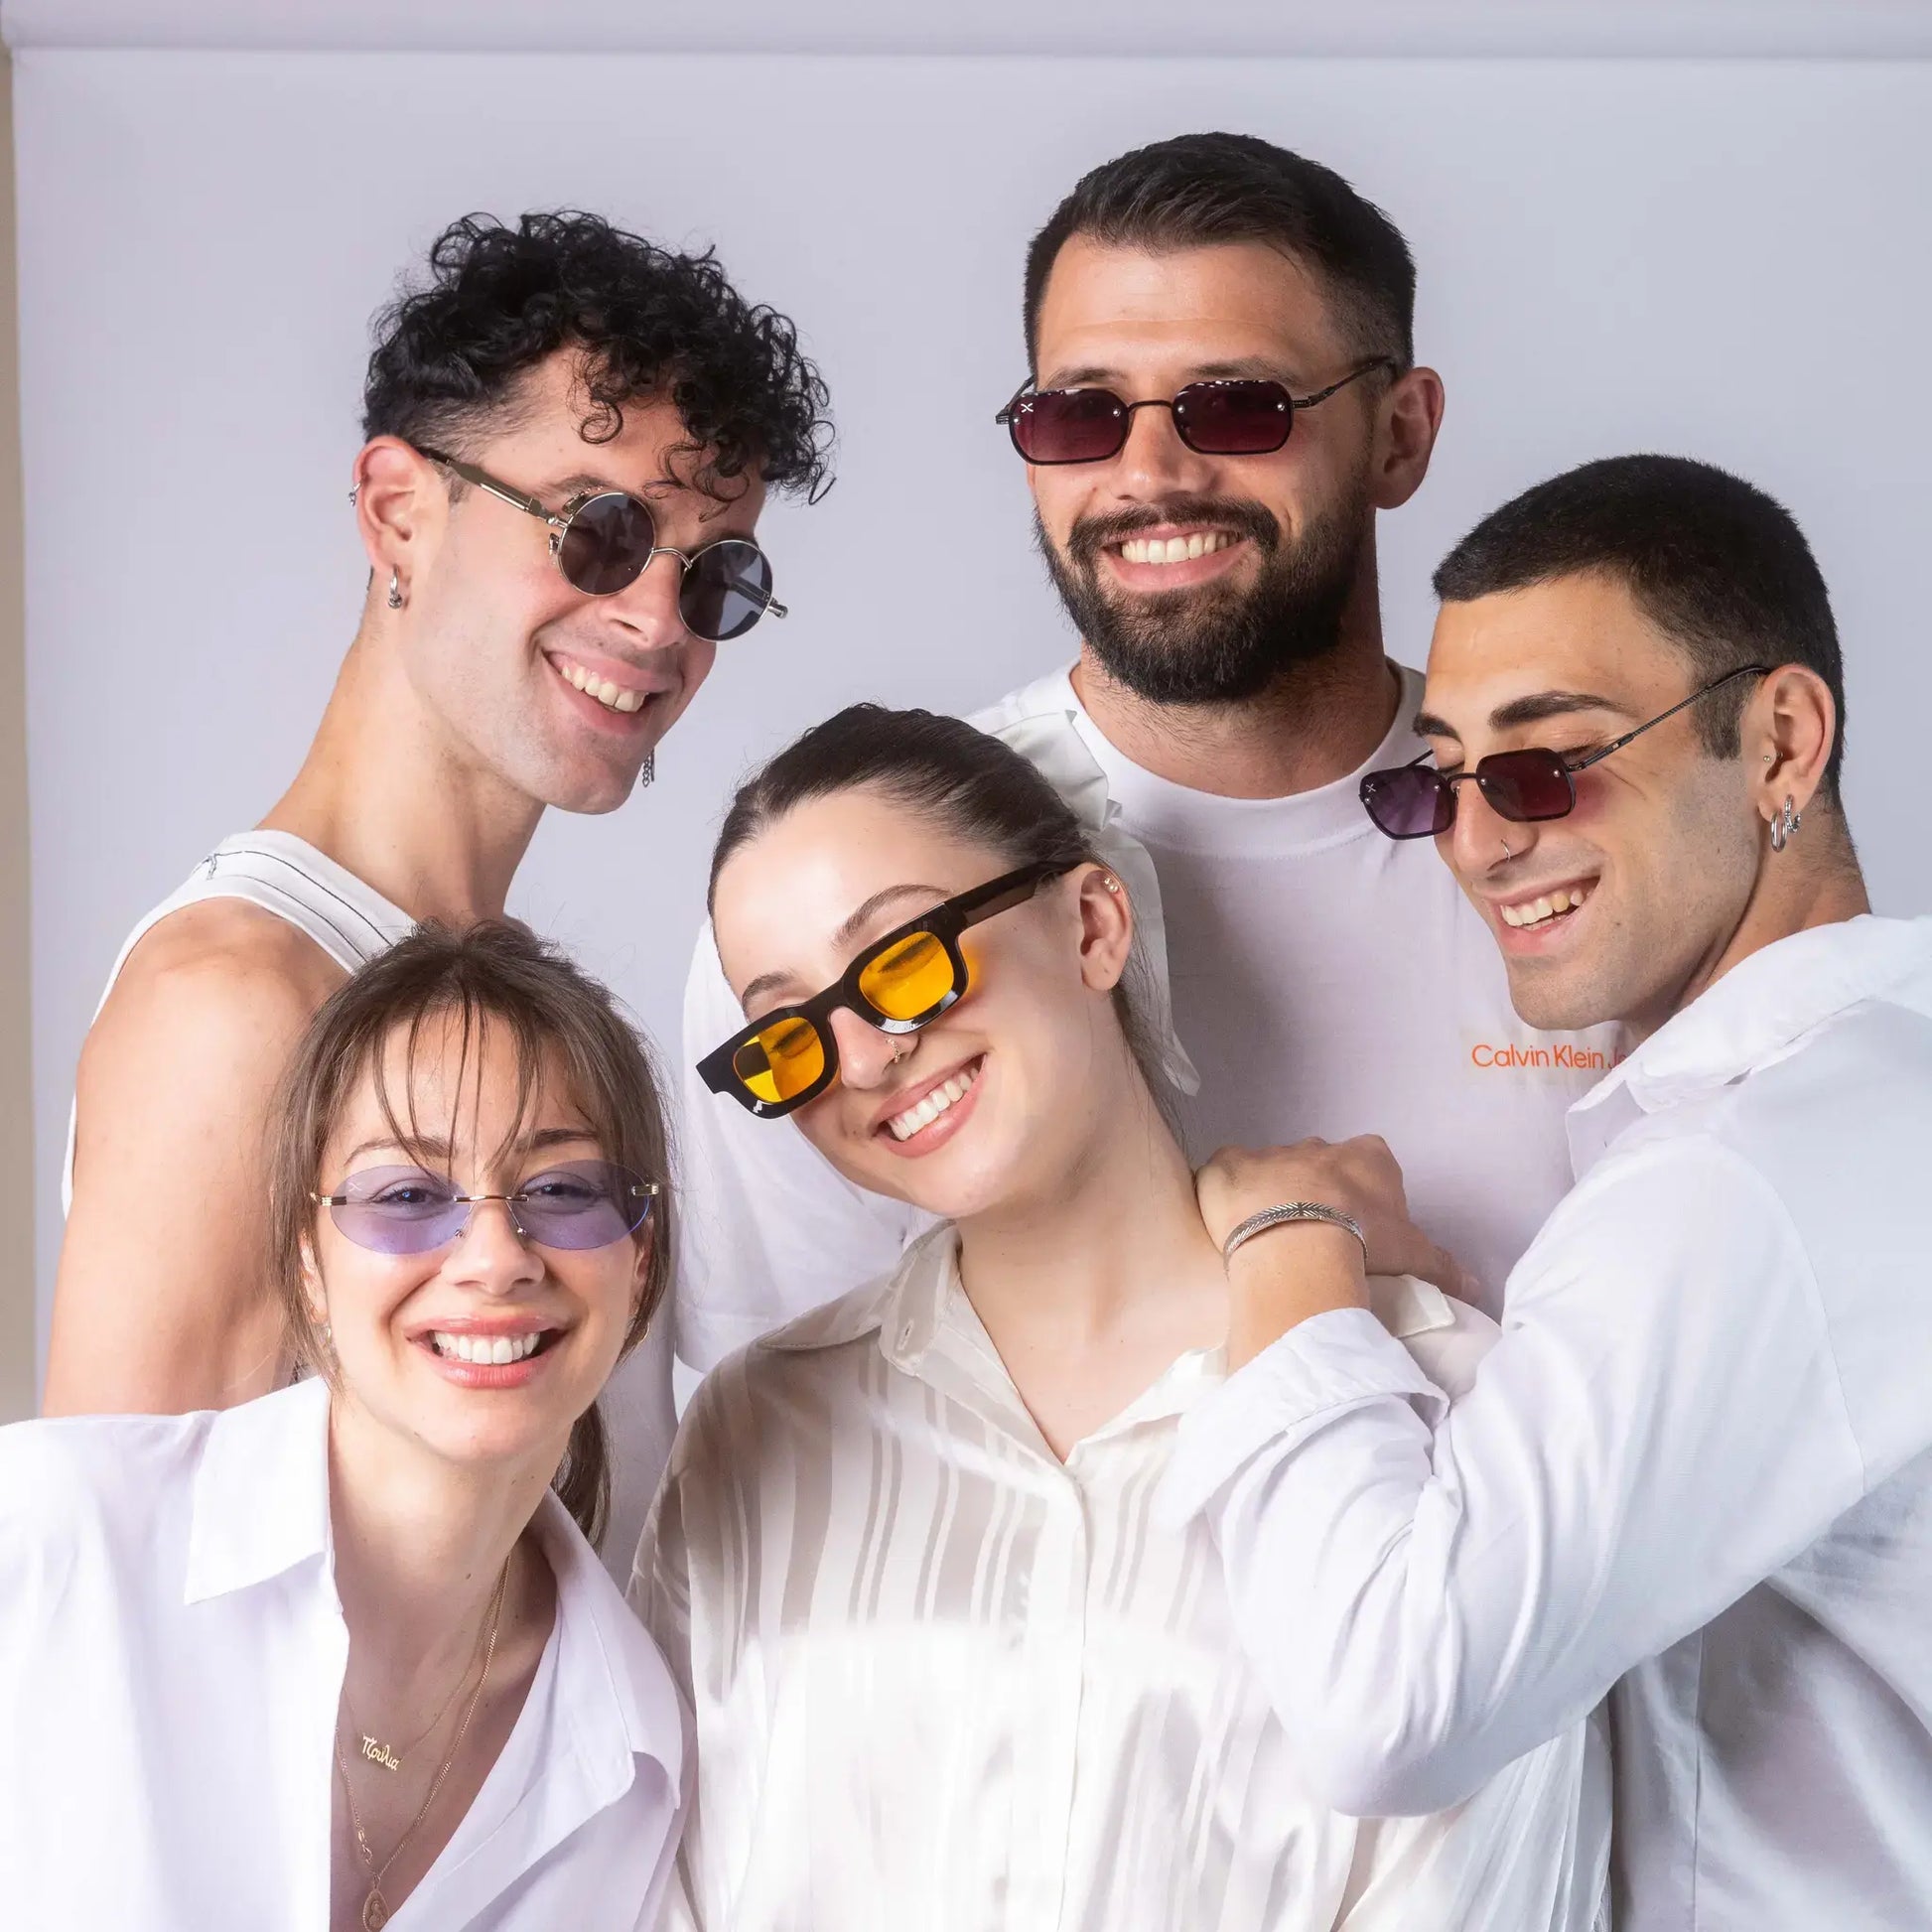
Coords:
943,1681
171,1653
1699,1455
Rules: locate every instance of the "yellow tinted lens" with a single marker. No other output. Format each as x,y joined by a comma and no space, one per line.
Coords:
908,979
782,1062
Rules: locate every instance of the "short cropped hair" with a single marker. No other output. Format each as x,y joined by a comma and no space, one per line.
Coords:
452,350
1198,191
1720,567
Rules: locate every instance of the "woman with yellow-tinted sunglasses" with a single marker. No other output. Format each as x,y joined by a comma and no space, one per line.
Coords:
947,1665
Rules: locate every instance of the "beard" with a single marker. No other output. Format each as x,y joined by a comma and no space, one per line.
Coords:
1214,644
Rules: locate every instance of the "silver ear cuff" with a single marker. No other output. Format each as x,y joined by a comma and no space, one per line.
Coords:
1784,827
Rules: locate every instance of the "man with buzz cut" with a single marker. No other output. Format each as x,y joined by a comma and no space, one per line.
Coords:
1697,1466
569,433
1222,399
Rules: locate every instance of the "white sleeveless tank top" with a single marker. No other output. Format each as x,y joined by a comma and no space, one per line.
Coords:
351,921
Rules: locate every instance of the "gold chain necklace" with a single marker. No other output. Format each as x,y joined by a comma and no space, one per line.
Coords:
375,1908
376,1752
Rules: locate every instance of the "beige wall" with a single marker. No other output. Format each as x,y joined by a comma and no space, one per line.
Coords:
17,1352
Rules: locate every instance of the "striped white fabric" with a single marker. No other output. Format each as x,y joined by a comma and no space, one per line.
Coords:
943,1681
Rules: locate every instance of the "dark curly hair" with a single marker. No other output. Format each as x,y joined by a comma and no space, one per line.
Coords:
451,355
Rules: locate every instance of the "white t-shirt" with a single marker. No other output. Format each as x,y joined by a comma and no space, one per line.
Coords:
1325,980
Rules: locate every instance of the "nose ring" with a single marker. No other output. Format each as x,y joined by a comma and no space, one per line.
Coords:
1507,854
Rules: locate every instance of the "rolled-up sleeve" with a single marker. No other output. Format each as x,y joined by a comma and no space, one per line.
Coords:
1431,1589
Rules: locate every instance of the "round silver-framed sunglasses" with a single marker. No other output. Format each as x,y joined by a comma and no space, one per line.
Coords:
603,541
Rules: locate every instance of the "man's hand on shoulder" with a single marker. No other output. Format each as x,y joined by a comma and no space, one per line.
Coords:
162,1303
1306,1268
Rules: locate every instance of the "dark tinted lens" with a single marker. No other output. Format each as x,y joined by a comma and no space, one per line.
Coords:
398,1211
1233,418
1525,786
727,585
608,543
581,1204
1070,426
1410,802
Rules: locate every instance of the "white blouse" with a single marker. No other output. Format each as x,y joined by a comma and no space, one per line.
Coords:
943,1680
171,1653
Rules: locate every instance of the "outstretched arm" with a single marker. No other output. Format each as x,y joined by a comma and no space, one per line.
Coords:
1431,1590
162,1303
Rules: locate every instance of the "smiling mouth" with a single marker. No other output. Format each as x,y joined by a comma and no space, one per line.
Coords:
940,1100
490,1351
613,697
1175,550
1548,910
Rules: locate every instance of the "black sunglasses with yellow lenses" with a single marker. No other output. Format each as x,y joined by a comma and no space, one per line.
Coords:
898,984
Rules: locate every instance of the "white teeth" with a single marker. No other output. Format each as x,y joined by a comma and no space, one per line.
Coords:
602,689
484,1350
1547,907
1173,550
925,1112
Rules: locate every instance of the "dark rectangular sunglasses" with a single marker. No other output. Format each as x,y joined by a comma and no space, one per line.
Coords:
1238,417
603,541
897,984
1417,802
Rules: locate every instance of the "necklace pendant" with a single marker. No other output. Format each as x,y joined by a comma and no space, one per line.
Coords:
378,1753
375,1911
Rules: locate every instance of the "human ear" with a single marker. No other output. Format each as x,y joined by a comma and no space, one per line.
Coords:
1106,927
400,502
1410,416
1787,733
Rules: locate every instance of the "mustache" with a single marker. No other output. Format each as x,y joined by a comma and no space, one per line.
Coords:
1240,515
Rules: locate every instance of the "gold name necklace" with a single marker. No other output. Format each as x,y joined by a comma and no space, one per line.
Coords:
376,1752
375,1908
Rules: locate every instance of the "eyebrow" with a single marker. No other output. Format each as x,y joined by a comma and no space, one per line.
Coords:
544,1136
1243,369
1531,709
844,936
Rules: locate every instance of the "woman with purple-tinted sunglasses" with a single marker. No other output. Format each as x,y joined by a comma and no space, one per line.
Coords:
345,1653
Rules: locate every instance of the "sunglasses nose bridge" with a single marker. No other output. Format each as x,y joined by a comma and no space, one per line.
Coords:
864,1052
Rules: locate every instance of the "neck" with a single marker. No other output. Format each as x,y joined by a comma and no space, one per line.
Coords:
1793,894
419,1545
1111,1232
389,793
1315,723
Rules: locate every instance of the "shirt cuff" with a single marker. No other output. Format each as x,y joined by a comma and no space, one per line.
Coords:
1323,1369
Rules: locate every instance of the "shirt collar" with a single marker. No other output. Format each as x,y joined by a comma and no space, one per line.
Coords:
908,1309
262,1492
618,1689
1761,1010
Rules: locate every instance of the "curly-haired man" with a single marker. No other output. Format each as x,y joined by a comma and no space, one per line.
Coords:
570,433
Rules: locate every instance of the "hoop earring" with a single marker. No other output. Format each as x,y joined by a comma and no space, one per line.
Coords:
395,590
1784,827
648,775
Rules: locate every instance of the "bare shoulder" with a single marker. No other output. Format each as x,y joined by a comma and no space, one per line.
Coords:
220,981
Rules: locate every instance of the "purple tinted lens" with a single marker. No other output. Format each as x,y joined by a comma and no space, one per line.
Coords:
1411,803
1233,418
398,1211
1070,425
608,543
1525,786
408,1212
582,1205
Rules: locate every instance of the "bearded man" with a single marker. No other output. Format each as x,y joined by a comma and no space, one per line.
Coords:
1223,398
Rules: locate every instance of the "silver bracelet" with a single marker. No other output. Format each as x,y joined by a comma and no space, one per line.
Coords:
1294,1210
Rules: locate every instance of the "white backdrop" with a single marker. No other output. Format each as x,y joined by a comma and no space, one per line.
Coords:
1725,259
